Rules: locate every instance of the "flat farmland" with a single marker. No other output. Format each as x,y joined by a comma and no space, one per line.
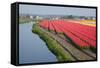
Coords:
76,37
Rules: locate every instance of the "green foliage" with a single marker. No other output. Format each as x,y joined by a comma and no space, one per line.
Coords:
24,20
69,17
27,20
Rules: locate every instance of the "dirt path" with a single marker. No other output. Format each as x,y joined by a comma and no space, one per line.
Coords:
87,51
76,53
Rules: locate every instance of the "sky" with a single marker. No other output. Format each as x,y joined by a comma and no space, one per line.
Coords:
53,10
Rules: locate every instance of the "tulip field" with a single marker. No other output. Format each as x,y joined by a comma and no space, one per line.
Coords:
80,34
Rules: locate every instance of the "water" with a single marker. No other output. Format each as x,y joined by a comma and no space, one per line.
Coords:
31,48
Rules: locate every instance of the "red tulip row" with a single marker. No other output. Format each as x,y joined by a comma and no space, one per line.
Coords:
81,35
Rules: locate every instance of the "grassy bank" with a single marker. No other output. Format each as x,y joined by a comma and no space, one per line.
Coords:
53,45
24,20
27,20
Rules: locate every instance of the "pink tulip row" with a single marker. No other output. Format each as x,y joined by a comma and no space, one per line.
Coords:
81,35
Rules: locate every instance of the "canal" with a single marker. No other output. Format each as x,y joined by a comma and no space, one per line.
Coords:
31,48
